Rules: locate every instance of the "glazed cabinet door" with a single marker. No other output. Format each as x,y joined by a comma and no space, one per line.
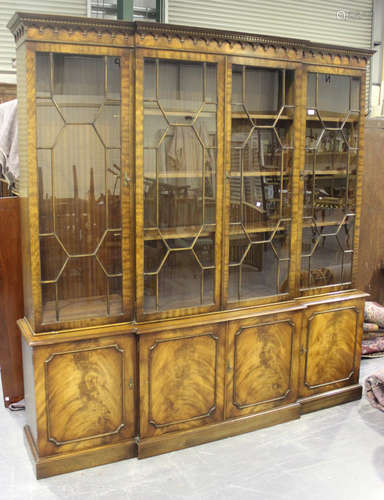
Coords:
179,117
262,136
85,394
331,179
181,379
81,107
330,346
262,363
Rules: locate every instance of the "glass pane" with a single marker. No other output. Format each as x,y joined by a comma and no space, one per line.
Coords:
332,148
262,90
49,124
113,187
180,149
260,181
78,75
333,94
327,254
258,262
311,90
44,172
181,85
109,254
107,125
54,258
43,78
113,78
78,137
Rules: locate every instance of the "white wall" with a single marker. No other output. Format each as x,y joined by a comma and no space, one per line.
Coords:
9,7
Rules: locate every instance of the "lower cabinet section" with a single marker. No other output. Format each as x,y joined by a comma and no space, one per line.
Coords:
113,396
82,397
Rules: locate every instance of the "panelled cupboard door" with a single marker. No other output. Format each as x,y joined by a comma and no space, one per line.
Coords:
85,393
330,347
179,161
181,379
262,363
263,140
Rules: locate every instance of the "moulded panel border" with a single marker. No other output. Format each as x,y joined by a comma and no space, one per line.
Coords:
211,410
47,391
236,336
310,319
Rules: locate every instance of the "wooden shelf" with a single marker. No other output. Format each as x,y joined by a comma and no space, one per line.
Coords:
184,114
332,173
324,223
340,119
86,307
242,116
182,175
192,231
326,153
178,232
261,173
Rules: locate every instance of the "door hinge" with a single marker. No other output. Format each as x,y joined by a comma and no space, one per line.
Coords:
131,385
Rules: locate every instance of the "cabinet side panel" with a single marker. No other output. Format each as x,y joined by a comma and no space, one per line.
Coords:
29,388
27,182
23,180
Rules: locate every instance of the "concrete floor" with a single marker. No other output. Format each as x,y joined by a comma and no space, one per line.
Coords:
337,453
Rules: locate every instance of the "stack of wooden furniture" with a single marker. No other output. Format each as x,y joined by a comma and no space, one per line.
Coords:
146,330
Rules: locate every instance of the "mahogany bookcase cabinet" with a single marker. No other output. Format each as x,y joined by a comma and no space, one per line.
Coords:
190,212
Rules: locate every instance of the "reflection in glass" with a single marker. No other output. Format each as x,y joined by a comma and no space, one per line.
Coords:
332,146
333,94
260,181
258,262
78,156
327,253
179,183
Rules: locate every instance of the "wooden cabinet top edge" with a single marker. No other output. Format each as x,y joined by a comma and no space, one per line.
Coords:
52,337
21,22
332,297
60,336
34,339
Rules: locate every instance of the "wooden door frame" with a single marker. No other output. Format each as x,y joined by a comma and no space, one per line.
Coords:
297,160
308,68
141,54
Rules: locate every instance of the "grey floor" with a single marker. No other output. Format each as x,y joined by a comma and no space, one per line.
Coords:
337,453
